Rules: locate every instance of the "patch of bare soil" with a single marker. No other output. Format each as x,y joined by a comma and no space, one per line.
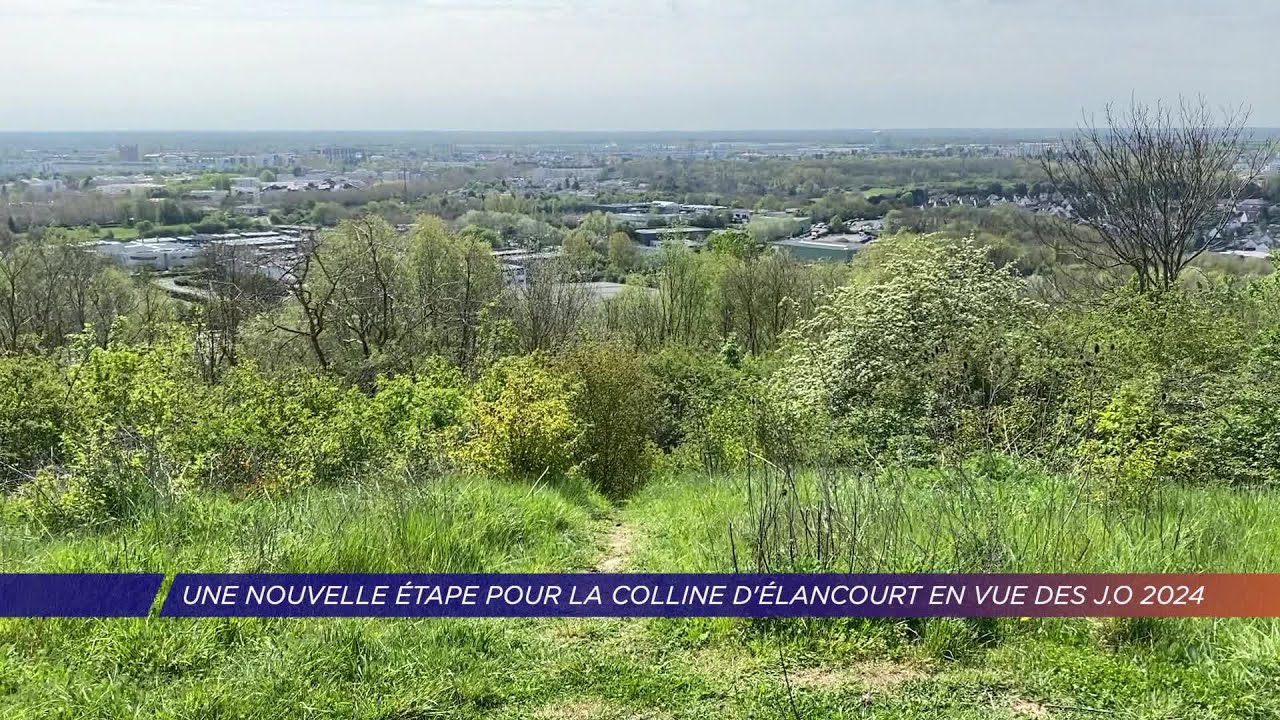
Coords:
618,549
1028,709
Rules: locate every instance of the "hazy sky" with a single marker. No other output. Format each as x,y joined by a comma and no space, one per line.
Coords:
621,64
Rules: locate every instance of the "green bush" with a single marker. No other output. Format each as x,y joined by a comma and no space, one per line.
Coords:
138,390
1138,446
33,413
901,359
277,434
687,383
105,481
248,431
421,415
719,434
617,405
1244,431
712,413
520,422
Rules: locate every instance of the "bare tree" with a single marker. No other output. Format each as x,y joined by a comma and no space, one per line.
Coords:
234,292
1155,187
634,316
684,289
152,310
479,282
312,288
368,298
551,308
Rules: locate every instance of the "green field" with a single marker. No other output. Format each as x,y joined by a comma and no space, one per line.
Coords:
888,192
661,668
85,233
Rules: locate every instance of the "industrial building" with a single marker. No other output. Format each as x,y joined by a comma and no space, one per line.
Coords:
653,237
158,254
264,250
835,248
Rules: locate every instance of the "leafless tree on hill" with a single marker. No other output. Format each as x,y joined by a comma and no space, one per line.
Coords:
1155,186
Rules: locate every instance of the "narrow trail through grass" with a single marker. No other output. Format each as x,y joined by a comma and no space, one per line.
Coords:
619,543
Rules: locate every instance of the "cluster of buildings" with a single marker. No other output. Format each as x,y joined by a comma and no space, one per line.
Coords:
1249,232
659,213
143,156
838,244
270,252
35,186
248,194
218,162
1041,202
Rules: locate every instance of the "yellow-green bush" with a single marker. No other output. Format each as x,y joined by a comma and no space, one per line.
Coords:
1138,446
421,415
520,423
105,480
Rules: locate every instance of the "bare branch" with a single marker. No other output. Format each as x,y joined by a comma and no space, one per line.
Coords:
1156,186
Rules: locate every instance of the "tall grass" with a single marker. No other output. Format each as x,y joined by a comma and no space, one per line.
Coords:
68,668
1010,518
991,516
997,516
445,525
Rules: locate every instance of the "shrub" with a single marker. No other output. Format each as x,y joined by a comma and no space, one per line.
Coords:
1139,446
899,357
420,414
278,434
33,413
1143,377
1244,435
105,481
712,414
687,381
617,406
137,390
520,422
337,434
719,434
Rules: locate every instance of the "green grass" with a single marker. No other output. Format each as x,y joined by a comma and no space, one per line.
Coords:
122,233
657,668
1018,521
963,520
85,233
888,192
451,525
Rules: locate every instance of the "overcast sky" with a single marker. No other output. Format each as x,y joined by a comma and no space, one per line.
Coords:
621,64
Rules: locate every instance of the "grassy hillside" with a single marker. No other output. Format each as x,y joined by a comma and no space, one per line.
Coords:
923,409
562,668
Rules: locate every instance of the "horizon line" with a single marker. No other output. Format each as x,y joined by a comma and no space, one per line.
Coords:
544,131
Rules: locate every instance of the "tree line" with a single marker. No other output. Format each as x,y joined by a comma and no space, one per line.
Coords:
381,352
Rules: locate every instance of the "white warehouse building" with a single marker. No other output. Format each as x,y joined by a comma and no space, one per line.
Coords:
157,254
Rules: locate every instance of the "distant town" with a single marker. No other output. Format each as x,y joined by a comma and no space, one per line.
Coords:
162,202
